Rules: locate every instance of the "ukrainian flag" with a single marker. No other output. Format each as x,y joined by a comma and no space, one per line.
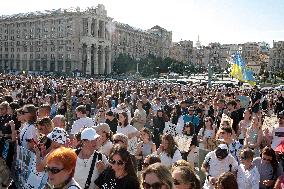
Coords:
239,70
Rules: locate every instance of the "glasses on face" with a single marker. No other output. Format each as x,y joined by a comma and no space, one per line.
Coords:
176,182
243,157
157,185
280,117
53,170
25,112
119,162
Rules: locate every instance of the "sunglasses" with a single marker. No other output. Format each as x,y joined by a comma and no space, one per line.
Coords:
119,162
176,182
280,117
53,170
117,141
157,185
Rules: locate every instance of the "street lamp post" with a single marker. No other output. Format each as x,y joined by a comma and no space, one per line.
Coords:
210,73
137,65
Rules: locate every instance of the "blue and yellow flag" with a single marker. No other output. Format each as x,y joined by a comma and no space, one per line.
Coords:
240,71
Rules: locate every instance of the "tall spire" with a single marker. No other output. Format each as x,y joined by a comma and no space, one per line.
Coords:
198,44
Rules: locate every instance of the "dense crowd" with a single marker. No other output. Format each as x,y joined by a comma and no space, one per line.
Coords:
111,134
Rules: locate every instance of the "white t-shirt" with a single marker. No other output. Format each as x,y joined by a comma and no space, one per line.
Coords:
28,131
81,123
248,179
168,161
132,143
277,136
82,171
218,167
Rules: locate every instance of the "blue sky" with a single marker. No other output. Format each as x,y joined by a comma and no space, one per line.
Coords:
224,21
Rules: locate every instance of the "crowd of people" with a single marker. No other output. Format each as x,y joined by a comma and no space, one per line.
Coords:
111,134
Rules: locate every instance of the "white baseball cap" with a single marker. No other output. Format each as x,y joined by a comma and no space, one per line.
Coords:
89,134
223,146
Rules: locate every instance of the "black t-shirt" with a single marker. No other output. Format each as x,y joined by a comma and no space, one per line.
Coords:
6,129
236,119
112,124
107,180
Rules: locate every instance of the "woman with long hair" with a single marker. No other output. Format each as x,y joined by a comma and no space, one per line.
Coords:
244,124
157,176
28,133
185,178
168,151
146,146
159,121
254,136
125,128
268,168
207,134
121,174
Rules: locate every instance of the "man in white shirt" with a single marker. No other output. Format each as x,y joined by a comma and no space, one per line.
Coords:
278,131
217,162
85,174
82,122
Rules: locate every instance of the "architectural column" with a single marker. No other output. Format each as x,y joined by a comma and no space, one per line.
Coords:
56,64
64,64
96,27
88,67
40,65
102,71
21,63
103,29
89,27
48,64
108,60
96,63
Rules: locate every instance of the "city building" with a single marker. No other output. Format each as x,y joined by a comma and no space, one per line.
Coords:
58,41
250,51
139,43
182,51
276,58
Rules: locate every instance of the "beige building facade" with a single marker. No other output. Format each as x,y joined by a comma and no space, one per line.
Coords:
182,51
276,58
57,41
139,43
